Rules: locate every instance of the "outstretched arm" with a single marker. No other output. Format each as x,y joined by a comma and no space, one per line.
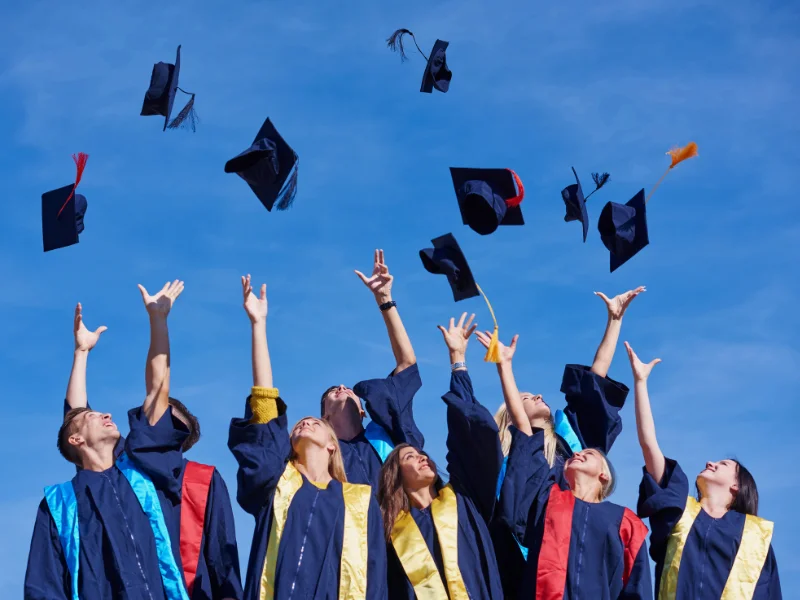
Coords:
256,309
511,395
85,340
616,310
645,426
380,284
156,372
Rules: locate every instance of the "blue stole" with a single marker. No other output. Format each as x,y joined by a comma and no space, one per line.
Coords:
563,428
500,479
379,439
64,508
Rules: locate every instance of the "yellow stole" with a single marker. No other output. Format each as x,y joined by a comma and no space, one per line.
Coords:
417,560
353,567
747,566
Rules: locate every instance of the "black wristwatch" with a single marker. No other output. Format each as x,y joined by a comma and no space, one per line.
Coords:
387,305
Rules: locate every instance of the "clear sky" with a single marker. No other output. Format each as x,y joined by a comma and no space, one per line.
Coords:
537,87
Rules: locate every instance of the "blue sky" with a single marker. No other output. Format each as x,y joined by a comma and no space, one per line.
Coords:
537,87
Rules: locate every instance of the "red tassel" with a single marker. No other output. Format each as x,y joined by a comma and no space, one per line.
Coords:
80,162
516,200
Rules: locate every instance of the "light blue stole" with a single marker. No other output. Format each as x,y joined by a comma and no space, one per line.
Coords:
379,439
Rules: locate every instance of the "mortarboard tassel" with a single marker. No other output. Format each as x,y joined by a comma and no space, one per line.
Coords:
516,200
678,155
187,118
289,190
395,43
493,351
599,181
80,163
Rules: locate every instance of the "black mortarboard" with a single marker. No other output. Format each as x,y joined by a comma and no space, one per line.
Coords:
160,96
436,74
623,229
576,202
446,258
266,165
63,211
488,198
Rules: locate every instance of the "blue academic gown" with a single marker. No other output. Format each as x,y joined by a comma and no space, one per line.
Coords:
309,555
389,403
576,549
474,457
117,558
711,546
592,411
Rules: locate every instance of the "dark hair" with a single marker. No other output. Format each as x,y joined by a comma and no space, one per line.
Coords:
191,422
745,500
67,430
322,400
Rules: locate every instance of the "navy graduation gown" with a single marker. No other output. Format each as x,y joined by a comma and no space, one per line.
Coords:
474,457
309,554
117,558
389,403
577,549
593,405
710,547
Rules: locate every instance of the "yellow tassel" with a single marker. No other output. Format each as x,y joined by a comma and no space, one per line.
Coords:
493,352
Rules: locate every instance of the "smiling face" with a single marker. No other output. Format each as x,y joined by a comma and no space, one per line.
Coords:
722,474
416,469
590,465
84,428
535,407
338,399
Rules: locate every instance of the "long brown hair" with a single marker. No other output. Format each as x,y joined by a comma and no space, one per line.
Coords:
335,463
391,495
503,419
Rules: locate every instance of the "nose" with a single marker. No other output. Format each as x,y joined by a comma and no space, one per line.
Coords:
709,465
342,387
107,417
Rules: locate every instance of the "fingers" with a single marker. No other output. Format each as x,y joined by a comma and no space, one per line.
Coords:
483,338
513,345
443,330
470,330
603,297
380,259
461,320
143,291
175,289
654,362
100,330
362,277
469,321
263,292
246,286
631,353
452,322
77,319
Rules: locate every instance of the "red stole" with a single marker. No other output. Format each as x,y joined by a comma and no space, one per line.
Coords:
194,498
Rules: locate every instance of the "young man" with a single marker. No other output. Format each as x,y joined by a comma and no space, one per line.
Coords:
388,401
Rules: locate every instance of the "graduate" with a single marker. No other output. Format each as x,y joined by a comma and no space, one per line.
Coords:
387,401
439,542
206,529
713,546
579,544
590,420
109,532
316,535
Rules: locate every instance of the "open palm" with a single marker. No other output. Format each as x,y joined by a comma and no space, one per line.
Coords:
619,304
84,339
254,306
506,352
641,371
380,283
160,304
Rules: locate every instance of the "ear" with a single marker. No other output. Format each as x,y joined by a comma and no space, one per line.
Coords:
604,477
76,440
735,488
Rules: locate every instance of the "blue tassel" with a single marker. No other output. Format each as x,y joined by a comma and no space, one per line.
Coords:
289,190
187,118
600,180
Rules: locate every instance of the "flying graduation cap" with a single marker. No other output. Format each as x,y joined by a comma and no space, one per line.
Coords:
446,258
576,202
436,74
160,96
623,227
269,166
63,211
488,198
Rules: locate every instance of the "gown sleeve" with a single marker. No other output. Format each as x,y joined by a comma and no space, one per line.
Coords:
474,456
261,447
389,403
593,405
156,449
221,550
377,563
47,576
663,503
768,586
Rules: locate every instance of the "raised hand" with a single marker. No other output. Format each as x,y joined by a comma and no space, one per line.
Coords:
456,336
506,352
641,371
161,303
85,340
254,306
380,283
619,304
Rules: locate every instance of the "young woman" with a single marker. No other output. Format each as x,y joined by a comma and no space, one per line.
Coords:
590,420
579,544
710,547
316,535
439,543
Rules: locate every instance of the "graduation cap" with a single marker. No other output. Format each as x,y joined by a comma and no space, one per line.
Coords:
575,201
266,166
488,198
446,258
623,227
63,211
160,96
436,74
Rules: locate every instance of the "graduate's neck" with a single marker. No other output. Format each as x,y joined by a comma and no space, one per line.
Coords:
584,488
715,500
423,497
539,423
346,423
312,461
98,458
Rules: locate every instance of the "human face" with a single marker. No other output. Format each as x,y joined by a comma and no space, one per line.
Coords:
723,474
535,407
314,431
93,429
338,397
416,470
588,462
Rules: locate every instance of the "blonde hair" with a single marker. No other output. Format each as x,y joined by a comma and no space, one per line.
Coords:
335,463
503,420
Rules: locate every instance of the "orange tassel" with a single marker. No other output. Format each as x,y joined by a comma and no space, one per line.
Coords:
681,154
